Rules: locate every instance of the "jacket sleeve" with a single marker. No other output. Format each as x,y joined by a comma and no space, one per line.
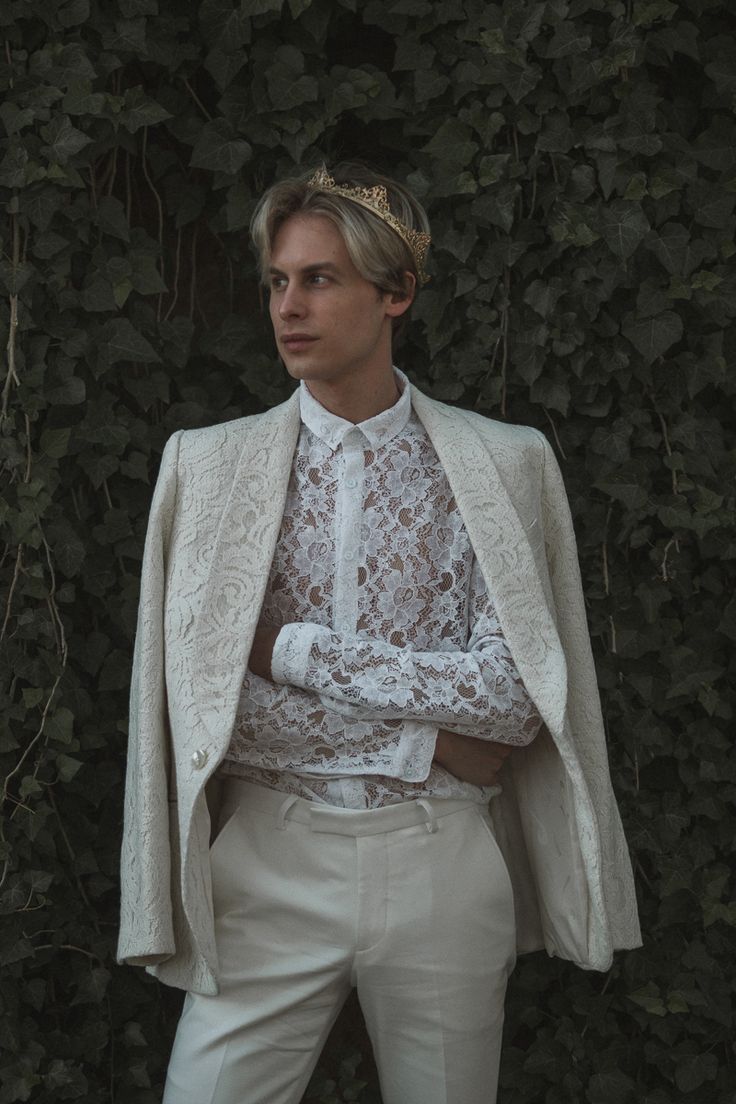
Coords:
583,708
146,929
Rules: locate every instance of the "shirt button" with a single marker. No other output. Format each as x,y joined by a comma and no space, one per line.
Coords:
349,556
351,483
199,758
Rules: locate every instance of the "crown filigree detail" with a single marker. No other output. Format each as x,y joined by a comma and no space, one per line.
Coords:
375,199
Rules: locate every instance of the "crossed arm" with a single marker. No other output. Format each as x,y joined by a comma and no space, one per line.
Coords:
467,757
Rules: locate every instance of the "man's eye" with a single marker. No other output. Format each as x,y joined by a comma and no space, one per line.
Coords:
277,283
318,278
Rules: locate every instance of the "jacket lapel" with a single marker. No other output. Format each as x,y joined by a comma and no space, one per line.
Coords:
504,553
241,558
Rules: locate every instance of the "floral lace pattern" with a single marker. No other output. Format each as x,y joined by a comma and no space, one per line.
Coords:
390,631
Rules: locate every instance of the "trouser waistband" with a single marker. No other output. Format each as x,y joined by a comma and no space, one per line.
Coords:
343,822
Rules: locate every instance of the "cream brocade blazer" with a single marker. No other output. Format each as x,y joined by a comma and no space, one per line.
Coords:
214,522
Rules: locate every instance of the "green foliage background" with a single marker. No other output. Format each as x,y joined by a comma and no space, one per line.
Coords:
578,160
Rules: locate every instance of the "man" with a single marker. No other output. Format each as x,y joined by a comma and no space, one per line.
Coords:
352,608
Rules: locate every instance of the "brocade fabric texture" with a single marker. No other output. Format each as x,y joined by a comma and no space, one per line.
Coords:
389,632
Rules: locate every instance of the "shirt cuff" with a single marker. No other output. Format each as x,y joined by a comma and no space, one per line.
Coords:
291,653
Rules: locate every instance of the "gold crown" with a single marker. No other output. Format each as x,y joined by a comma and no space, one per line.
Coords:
375,199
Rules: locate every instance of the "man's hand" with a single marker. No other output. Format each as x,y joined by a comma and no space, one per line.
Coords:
261,650
469,759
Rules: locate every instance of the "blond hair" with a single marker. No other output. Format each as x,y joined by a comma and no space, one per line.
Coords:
380,255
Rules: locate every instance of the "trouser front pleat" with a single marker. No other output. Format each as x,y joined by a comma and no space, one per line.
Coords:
410,904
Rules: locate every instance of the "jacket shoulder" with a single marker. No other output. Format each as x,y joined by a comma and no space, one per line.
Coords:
504,433
195,443
502,439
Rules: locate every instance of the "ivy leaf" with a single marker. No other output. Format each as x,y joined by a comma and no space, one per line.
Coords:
111,218
14,118
81,100
716,146
288,85
140,110
694,1070
543,297
63,65
626,485
73,13
128,36
13,167
623,225
653,336
69,553
452,145
723,73
67,766
224,65
711,206
219,149
63,140
649,998
675,249
69,393
519,80
121,341
567,39
647,12
55,442
40,206
610,1087
220,20
132,8
97,294
260,7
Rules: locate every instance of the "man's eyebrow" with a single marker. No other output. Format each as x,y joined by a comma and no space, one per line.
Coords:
320,266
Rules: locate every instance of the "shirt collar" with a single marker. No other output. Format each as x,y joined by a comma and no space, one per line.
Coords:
331,429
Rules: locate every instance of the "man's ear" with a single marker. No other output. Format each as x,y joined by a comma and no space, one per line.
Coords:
399,302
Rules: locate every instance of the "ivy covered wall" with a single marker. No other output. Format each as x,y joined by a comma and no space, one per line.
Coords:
578,161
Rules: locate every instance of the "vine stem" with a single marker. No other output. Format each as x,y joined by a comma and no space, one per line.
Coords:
159,205
177,271
13,584
505,339
554,430
72,856
667,448
33,742
606,579
69,947
193,270
486,377
12,376
197,100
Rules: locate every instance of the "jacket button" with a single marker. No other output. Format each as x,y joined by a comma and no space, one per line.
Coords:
199,758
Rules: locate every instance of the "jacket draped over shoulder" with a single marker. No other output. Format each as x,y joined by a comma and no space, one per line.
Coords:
212,532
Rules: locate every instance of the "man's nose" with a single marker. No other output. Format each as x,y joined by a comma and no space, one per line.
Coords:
292,302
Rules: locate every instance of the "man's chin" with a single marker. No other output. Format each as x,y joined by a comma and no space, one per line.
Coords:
302,368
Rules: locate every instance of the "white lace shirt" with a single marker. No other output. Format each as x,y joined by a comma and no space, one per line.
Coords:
389,631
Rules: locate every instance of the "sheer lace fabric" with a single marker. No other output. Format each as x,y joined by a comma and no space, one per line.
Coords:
390,632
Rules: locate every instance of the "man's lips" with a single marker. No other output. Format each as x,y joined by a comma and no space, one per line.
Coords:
297,341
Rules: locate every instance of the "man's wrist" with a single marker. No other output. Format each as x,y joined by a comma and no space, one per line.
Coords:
440,747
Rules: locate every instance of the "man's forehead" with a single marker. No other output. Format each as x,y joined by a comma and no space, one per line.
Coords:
308,241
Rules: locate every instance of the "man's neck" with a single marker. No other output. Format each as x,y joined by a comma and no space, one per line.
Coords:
356,400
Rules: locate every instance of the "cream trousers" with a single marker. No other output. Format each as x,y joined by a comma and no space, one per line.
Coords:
411,904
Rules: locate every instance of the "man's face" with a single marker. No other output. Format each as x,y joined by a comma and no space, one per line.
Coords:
330,323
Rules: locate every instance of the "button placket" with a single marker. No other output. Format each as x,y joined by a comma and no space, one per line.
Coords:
348,532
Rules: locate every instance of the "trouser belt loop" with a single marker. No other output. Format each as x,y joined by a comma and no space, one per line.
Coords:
283,811
431,824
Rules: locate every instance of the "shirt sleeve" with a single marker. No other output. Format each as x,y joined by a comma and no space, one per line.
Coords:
288,728
477,691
